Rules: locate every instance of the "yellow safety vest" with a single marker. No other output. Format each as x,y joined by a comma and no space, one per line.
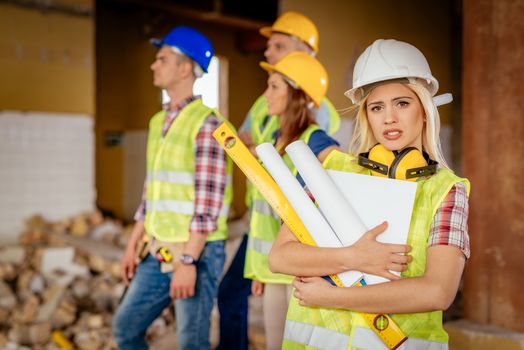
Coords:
170,195
263,229
319,328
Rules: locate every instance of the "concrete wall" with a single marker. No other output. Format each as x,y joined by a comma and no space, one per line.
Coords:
493,145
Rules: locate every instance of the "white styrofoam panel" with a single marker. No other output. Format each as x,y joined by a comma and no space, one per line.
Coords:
46,167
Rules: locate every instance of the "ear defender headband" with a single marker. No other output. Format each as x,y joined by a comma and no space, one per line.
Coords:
407,164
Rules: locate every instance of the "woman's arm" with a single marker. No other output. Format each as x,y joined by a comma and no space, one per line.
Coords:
324,153
435,290
291,257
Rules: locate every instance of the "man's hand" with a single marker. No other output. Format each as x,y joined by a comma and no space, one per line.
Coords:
378,258
128,264
183,281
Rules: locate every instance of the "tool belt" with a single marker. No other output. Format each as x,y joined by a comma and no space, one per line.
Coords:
167,253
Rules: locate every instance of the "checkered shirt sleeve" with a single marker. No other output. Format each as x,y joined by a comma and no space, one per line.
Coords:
450,224
210,178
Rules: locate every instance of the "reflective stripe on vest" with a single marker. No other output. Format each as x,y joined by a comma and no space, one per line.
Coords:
177,177
318,337
180,207
263,207
259,245
366,339
424,329
180,177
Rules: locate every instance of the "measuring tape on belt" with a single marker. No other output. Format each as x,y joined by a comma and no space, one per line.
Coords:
382,324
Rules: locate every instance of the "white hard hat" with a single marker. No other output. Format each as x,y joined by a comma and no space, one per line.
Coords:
386,60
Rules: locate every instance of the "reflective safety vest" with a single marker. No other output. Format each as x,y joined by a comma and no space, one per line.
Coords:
170,196
263,229
320,328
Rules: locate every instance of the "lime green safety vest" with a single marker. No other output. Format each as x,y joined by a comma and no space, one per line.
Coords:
319,328
170,187
263,229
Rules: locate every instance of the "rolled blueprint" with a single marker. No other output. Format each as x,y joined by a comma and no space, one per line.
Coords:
308,213
336,209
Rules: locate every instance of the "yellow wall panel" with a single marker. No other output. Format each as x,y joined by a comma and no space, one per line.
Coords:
46,61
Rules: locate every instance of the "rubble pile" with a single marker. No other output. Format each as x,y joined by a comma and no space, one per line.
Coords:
60,286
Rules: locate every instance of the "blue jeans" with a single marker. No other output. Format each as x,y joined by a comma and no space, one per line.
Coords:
233,296
148,295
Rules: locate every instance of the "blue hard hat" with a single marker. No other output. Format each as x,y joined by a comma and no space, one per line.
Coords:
191,42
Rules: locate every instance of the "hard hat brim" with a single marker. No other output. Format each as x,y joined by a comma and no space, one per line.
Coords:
267,67
431,84
266,31
270,69
158,43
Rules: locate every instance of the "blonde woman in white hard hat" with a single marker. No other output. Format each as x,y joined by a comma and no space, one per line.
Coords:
396,135
295,82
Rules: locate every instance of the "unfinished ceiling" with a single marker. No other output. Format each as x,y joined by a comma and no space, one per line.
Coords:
234,13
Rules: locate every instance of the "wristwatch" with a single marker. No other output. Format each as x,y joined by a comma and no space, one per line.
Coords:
187,259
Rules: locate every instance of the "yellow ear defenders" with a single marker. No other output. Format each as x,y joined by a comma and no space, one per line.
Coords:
407,164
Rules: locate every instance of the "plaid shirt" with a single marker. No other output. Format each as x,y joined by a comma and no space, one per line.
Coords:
210,173
450,226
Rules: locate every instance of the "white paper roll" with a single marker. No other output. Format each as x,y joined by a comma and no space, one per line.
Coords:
306,210
339,213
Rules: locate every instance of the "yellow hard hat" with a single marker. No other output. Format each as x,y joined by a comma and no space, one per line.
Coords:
295,24
305,71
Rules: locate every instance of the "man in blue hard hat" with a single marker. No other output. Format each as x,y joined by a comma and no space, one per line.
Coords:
184,208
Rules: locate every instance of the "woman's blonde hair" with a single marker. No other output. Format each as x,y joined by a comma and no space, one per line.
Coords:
363,139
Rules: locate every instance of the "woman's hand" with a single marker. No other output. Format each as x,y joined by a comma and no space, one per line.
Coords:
314,291
372,257
257,288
